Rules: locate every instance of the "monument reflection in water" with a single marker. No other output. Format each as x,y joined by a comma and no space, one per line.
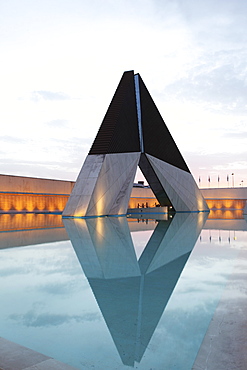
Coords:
132,294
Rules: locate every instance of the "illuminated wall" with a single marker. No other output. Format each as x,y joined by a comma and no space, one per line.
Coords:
26,194
18,230
14,203
10,202
142,197
142,202
225,199
29,221
226,203
226,214
225,193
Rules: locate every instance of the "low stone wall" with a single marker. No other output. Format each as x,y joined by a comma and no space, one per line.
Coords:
225,193
30,194
142,198
225,198
21,184
36,203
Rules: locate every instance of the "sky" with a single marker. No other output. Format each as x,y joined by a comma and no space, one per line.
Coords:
61,62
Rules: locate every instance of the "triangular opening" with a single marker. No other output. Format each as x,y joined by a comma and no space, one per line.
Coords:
141,237
147,190
142,195
139,177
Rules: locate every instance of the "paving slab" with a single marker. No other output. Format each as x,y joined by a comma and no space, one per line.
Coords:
16,357
225,345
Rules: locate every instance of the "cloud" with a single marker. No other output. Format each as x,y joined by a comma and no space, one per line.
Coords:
184,329
189,53
239,135
45,157
215,23
12,139
219,81
48,95
12,271
230,166
218,164
214,159
58,123
32,319
52,170
67,286
58,288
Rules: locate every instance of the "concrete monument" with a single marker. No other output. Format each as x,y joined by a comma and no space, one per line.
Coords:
132,133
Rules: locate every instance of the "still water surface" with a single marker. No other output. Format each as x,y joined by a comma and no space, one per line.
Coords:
119,293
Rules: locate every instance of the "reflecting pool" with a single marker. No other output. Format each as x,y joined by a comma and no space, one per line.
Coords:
117,292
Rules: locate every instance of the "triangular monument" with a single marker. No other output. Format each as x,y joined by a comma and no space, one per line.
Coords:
132,133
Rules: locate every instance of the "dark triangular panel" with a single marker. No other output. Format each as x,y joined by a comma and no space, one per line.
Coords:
158,287
157,139
153,181
118,132
153,244
118,300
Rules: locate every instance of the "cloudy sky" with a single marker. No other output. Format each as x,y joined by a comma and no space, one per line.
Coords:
61,61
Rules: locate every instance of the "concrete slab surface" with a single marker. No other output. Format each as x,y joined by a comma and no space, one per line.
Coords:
16,357
225,345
